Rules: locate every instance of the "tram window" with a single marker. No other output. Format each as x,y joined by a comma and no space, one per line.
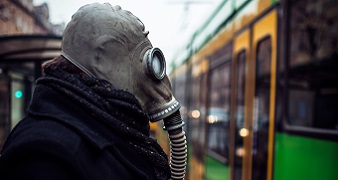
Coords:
312,65
240,89
218,111
239,115
300,105
180,89
194,114
263,57
262,109
313,31
196,111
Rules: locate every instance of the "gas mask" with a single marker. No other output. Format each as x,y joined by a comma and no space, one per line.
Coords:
109,43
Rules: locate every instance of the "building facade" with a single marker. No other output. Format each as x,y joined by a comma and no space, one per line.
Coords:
19,17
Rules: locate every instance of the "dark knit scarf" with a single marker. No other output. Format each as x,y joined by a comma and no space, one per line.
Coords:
117,109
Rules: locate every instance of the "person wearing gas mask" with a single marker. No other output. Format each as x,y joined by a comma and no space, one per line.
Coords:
89,116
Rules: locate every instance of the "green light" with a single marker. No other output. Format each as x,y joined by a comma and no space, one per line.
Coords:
18,94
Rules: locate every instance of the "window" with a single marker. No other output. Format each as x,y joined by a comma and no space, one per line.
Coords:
312,84
5,125
262,109
218,119
239,114
263,57
4,12
180,93
18,22
313,31
196,113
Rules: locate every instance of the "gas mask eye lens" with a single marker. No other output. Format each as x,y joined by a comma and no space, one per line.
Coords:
156,63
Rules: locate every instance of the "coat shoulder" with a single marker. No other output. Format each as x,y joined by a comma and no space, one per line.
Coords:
31,130
41,150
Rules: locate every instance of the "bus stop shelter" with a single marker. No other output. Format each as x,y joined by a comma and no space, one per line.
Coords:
21,57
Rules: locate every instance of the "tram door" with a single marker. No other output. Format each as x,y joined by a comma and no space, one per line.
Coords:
253,103
239,130
197,112
262,97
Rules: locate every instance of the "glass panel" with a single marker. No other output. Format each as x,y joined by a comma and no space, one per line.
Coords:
218,112
195,120
196,126
313,31
239,116
263,54
4,110
312,74
180,95
261,111
17,98
17,110
203,110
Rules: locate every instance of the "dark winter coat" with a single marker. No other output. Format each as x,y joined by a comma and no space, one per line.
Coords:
59,140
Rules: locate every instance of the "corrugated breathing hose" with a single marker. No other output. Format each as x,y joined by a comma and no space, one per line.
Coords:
178,145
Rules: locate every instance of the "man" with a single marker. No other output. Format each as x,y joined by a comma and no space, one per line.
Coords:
89,115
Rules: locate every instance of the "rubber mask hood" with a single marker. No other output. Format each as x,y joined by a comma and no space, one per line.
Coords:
109,43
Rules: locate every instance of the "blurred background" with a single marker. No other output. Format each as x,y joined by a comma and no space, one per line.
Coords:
257,79
166,20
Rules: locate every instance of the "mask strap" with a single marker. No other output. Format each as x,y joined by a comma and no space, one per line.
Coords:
77,64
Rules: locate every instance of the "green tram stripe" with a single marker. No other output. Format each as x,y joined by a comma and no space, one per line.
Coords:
305,158
215,170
